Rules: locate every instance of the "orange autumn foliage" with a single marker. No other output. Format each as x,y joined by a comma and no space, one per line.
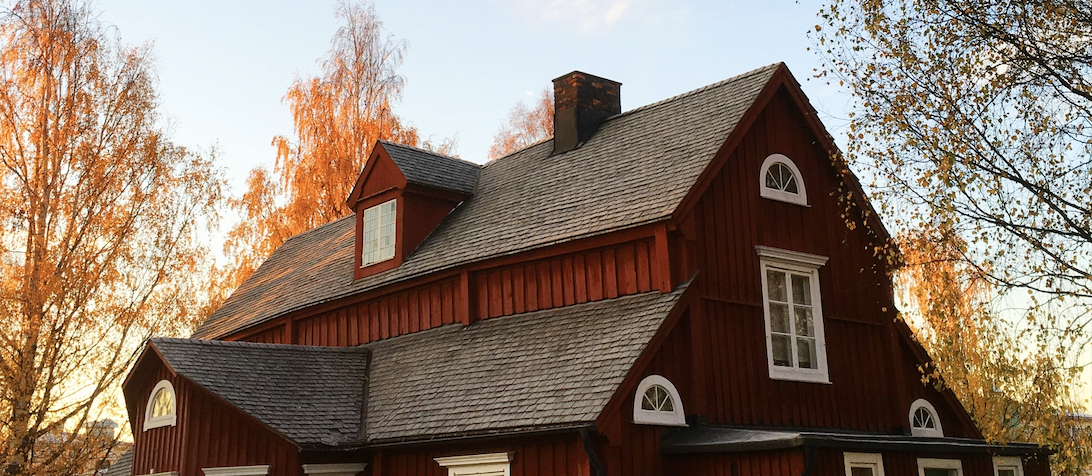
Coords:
102,226
338,118
525,126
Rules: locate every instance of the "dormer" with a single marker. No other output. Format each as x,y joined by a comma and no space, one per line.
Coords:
402,194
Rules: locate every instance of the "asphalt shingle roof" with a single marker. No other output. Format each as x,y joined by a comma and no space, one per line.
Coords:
549,368
311,395
432,169
636,169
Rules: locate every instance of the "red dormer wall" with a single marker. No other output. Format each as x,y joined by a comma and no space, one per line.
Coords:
420,209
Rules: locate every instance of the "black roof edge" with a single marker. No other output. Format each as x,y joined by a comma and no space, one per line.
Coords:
460,437
702,439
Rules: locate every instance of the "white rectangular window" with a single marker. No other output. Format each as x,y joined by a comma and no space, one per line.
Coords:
489,464
795,343
864,464
377,242
1008,466
939,467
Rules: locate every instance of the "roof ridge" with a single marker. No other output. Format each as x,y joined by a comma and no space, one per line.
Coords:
257,345
430,152
661,102
702,89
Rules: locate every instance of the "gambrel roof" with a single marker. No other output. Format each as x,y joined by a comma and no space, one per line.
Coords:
636,169
554,368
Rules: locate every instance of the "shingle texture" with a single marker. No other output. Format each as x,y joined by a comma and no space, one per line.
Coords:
636,169
545,368
311,395
550,368
429,168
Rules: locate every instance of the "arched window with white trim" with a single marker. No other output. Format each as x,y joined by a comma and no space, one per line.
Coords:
162,406
924,420
657,402
779,179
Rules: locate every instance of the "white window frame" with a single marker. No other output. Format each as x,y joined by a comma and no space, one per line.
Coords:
1008,462
380,257
164,420
488,464
938,432
334,469
800,198
799,263
873,461
937,463
676,417
256,470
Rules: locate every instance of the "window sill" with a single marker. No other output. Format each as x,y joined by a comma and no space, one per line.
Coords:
793,375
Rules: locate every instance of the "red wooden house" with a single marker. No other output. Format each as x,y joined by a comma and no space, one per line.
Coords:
669,290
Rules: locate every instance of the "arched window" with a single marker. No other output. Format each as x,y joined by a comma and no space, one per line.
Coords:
657,402
162,406
923,419
781,180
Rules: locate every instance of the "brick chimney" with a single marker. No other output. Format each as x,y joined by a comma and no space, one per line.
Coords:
581,102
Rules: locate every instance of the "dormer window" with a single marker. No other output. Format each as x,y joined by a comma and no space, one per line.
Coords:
657,402
781,180
377,244
161,406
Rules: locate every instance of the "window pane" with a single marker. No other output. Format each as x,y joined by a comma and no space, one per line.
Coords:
860,471
776,282
805,350
801,289
779,318
924,419
163,404
782,350
790,186
940,472
804,324
1006,472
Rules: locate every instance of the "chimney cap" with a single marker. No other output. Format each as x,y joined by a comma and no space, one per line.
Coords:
587,76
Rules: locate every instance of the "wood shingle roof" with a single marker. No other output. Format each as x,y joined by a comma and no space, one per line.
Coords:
635,170
544,369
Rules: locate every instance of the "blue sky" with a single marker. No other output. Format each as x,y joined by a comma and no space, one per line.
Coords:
225,66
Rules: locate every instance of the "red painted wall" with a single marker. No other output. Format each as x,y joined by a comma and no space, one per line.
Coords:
559,455
593,274
208,433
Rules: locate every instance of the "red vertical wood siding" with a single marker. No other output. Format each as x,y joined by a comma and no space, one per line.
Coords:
601,273
561,455
412,310
208,433
788,462
722,230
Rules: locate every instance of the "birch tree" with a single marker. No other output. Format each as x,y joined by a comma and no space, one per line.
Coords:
100,223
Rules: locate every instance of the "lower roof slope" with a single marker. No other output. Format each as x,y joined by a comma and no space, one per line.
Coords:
542,369
311,395
636,169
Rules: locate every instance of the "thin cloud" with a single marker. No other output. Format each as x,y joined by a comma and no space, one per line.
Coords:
590,16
